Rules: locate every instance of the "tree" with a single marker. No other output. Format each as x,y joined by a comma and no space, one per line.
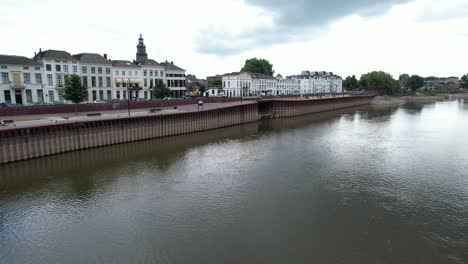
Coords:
415,82
351,83
378,81
255,65
464,81
160,90
217,83
201,89
74,89
403,80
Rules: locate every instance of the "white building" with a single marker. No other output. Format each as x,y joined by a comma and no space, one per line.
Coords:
248,84
96,74
311,82
104,78
254,84
57,65
21,80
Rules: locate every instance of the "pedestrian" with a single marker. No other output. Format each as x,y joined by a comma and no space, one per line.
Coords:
200,105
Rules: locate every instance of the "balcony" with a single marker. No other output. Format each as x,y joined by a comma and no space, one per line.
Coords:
17,85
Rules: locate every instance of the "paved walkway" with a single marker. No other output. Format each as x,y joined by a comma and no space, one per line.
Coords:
39,120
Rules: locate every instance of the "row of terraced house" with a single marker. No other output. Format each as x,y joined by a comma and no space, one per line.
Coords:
253,84
41,79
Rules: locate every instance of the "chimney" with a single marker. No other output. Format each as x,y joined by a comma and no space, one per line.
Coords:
40,49
172,62
105,56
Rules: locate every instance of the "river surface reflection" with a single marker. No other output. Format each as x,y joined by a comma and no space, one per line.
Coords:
362,185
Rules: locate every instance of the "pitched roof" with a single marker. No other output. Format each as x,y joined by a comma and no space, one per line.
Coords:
91,58
124,64
17,60
171,66
55,55
149,62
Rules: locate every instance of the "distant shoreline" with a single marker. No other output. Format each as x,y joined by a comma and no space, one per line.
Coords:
399,100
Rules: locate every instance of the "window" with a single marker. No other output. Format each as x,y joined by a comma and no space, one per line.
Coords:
136,73
84,69
151,73
85,81
93,70
25,68
146,82
161,73
93,81
145,73
48,67
99,70
3,67
108,81
38,78
75,69
117,73
5,79
118,94
40,96
7,95
123,73
65,68
66,78
108,70
100,81
49,80
59,81
151,83
28,96
156,73
129,73
109,95
27,78
58,68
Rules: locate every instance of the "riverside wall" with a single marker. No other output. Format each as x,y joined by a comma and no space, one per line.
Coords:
289,108
32,142
22,143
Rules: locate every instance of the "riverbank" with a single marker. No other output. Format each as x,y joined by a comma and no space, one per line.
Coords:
399,100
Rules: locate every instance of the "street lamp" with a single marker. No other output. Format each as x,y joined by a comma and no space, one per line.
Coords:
128,97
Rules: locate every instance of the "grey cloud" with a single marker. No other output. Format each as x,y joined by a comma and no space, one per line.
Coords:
293,20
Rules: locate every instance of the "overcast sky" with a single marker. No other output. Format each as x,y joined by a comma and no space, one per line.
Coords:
207,37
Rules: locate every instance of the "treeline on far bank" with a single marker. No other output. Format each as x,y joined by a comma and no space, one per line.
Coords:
384,83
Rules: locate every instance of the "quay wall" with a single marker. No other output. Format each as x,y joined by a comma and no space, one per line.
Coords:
22,143
31,142
290,108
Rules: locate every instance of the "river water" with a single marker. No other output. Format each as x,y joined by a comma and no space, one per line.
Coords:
362,185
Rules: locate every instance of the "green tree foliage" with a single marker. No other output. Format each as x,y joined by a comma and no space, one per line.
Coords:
403,80
464,81
255,65
378,81
351,83
415,82
160,90
74,89
217,83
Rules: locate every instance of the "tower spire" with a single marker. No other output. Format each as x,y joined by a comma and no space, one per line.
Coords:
141,54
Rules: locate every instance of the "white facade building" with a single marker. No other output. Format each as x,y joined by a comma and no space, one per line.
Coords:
96,74
57,65
105,79
252,84
311,82
21,80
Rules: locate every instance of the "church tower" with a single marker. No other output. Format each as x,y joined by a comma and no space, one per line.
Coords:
141,55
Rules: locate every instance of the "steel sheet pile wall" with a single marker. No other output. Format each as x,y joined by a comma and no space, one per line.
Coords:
290,108
26,143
